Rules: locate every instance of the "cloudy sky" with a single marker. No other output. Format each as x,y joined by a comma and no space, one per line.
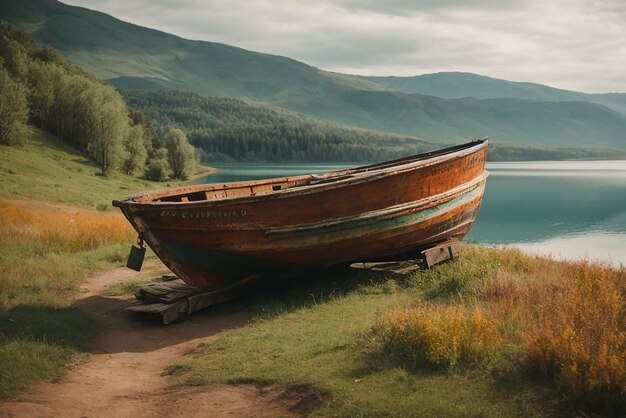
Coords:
571,44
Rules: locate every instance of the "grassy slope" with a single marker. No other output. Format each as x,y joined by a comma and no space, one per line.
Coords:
111,48
317,333
46,251
48,170
137,57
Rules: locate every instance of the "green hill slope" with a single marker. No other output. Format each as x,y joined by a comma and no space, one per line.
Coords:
141,57
134,57
47,169
458,84
507,121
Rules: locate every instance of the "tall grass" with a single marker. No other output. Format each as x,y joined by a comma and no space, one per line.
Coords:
439,336
565,320
577,334
53,229
46,250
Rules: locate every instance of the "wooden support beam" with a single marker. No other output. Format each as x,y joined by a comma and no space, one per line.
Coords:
442,252
425,259
174,300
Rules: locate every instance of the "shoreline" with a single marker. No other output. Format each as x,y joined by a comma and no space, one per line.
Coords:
202,171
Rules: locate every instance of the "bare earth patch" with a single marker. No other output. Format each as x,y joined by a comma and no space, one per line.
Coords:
123,376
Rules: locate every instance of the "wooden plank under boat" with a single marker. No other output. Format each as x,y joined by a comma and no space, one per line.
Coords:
214,235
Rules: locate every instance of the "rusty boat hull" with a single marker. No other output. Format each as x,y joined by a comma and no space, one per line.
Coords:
215,235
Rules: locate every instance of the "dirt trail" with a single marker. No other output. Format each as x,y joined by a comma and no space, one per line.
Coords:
123,376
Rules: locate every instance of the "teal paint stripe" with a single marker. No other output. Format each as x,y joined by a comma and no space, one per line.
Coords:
377,224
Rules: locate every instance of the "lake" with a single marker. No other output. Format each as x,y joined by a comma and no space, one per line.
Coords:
565,209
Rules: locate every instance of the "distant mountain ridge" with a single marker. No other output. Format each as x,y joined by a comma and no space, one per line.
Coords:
134,57
112,49
455,85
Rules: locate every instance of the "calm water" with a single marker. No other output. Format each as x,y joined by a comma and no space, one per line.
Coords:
565,209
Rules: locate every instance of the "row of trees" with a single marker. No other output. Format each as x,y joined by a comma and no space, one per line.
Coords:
40,87
230,129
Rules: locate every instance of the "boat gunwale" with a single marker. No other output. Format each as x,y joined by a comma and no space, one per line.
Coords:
354,175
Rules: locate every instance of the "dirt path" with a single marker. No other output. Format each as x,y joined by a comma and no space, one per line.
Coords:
123,376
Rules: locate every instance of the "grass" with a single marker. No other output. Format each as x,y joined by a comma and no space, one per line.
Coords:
39,343
48,170
576,334
463,339
47,250
431,335
129,286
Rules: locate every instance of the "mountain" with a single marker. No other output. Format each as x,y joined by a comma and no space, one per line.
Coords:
454,85
509,121
134,57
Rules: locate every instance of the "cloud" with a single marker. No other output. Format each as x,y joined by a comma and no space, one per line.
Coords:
573,44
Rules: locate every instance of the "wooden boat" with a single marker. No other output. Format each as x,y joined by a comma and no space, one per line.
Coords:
214,235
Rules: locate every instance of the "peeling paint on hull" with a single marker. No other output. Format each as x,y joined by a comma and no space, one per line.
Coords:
214,235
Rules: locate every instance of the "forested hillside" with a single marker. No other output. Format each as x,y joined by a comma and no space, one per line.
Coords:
230,129
512,122
39,87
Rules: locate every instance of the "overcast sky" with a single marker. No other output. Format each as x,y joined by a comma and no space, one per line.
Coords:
572,44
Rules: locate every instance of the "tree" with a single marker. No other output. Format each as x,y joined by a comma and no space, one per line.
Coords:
135,150
180,153
13,110
43,78
157,167
105,125
149,135
70,103
15,57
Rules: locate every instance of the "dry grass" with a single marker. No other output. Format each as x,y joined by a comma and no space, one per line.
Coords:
46,250
578,334
59,229
565,320
439,336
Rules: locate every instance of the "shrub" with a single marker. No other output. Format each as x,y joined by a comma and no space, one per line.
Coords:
157,167
436,335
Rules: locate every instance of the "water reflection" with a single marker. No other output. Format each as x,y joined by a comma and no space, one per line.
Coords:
566,209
